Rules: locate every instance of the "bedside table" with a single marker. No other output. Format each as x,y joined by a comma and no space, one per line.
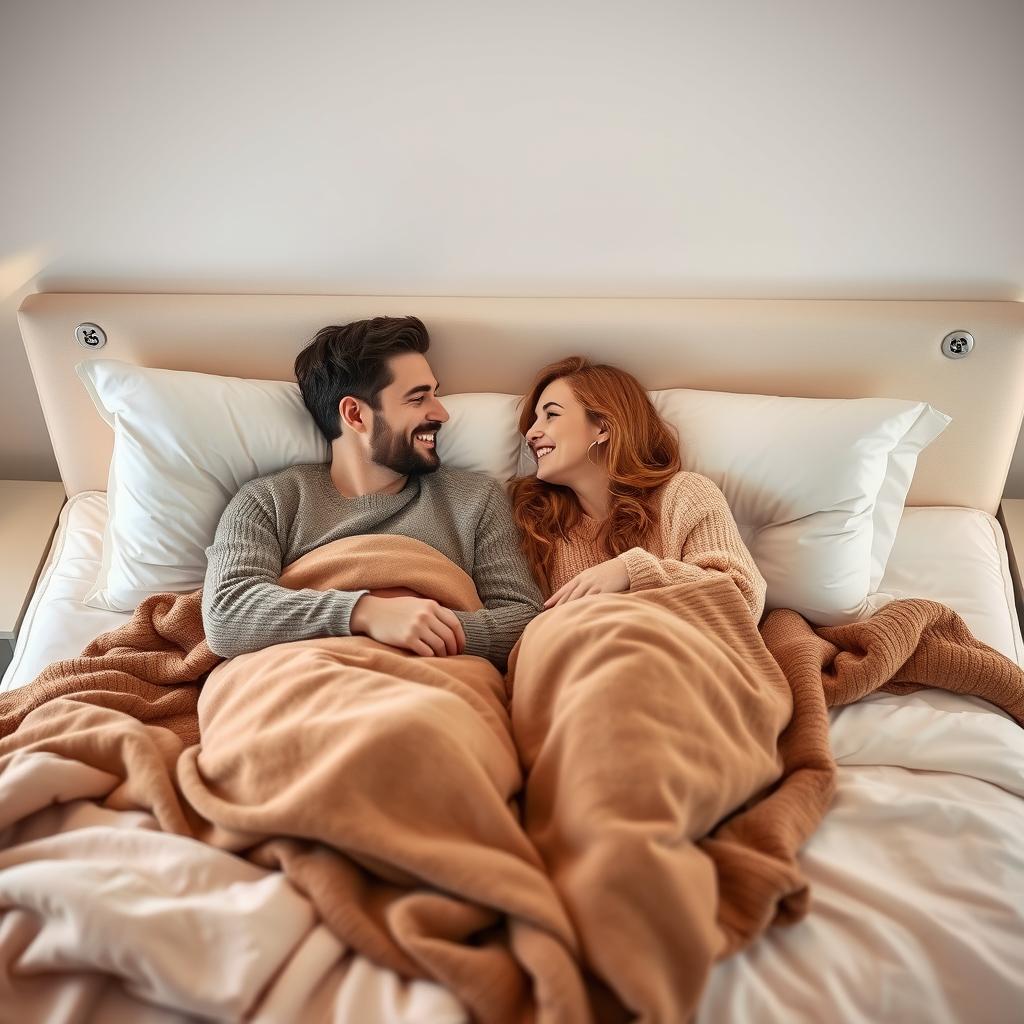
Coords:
1011,515
28,519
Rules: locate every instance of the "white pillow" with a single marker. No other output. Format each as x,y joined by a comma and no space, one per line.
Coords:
184,443
816,485
482,434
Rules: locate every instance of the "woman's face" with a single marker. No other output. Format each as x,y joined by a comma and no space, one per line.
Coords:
561,434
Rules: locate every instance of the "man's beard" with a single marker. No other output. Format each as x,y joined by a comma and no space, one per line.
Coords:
399,453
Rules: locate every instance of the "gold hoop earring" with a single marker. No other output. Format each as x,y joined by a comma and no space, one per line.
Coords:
589,450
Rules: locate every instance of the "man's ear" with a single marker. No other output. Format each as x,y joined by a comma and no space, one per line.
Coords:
351,412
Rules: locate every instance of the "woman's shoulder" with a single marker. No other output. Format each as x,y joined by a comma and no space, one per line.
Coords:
687,496
687,483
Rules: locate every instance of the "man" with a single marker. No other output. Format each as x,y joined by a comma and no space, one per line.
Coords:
371,392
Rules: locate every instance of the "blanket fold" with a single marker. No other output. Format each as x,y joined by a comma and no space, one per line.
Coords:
580,842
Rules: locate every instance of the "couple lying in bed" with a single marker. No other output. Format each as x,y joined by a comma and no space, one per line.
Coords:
609,509
299,752
631,736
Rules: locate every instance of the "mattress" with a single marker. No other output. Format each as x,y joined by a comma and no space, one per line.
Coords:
917,870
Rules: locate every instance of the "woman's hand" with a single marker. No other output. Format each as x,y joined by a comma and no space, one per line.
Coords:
606,578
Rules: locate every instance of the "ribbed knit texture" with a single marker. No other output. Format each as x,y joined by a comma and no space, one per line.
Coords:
695,534
275,519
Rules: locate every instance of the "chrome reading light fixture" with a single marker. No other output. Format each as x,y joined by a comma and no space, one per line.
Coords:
957,344
90,335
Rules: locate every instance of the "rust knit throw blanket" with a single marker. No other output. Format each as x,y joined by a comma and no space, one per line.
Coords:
580,841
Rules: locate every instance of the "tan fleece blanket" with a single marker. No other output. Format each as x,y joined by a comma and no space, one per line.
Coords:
675,760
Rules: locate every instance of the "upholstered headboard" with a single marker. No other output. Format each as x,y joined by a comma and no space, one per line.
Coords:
818,348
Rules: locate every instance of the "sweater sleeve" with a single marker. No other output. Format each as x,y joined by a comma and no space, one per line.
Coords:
712,544
244,607
506,586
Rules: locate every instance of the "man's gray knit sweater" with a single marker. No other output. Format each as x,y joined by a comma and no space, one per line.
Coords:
275,519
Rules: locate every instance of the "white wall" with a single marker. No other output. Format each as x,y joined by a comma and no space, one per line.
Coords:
792,149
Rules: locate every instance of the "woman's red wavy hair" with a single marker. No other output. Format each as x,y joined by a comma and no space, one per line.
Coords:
642,453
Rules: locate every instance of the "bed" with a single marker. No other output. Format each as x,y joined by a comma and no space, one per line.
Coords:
895,895
917,870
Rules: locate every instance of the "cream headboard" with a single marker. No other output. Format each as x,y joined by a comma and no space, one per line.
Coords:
822,348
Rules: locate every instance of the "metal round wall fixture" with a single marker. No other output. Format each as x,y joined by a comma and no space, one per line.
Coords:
957,344
90,335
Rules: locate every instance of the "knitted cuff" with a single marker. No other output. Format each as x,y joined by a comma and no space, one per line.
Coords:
641,568
645,570
341,626
478,636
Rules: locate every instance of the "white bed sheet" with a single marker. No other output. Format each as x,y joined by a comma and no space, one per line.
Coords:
917,871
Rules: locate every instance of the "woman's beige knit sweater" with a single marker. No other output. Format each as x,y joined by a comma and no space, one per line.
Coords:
695,534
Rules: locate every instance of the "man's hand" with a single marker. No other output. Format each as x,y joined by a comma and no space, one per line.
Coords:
608,577
412,623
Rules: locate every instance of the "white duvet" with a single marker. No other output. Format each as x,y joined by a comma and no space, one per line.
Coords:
917,872
917,879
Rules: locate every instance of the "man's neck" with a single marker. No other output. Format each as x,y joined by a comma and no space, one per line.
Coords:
353,476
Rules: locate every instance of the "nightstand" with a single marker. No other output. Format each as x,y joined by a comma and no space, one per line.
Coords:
1011,515
28,518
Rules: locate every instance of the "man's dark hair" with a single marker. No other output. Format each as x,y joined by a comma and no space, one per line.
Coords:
353,360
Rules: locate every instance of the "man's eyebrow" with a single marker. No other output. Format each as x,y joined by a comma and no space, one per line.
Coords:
421,389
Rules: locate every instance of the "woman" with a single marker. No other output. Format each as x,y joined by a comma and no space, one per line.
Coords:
638,728
610,508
